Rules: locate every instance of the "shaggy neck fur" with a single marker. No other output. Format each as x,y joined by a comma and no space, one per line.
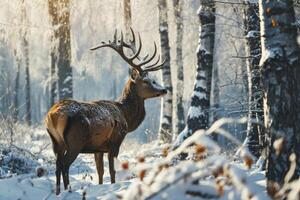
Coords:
132,106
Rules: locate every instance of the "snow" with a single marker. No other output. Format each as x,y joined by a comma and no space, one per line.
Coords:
252,1
267,54
28,187
253,34
154,172
195,112
201,83
200,95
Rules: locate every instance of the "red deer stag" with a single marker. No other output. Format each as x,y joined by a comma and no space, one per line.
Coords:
99,127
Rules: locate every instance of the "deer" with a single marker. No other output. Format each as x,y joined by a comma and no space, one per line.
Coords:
99,127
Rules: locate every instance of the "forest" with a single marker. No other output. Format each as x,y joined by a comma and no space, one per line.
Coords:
149,99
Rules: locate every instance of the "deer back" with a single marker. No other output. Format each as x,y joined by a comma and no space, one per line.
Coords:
100,119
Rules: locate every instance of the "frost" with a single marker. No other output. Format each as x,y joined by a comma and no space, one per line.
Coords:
207,177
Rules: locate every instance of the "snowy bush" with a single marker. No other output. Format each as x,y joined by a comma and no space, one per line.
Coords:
14,161
20,147
207,174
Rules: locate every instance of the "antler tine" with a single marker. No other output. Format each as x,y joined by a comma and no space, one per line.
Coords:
109,44
157,67
115,36
119,45
133,36
150,66
145,57
151,58
100,46
121,39
139,49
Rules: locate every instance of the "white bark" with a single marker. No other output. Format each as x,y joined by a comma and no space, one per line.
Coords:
198,114
280,70
179,111
165,129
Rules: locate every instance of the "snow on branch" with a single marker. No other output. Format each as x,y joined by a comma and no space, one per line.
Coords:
206,174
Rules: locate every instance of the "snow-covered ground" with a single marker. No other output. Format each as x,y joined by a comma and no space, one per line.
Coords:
83,175
158,177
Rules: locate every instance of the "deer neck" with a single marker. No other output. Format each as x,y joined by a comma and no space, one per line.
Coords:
132,105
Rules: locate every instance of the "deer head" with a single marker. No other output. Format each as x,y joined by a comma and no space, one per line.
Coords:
146,86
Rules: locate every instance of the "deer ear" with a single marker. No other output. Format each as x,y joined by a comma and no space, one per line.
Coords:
134,75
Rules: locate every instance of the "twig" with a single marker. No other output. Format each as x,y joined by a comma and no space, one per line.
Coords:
23,150
169,185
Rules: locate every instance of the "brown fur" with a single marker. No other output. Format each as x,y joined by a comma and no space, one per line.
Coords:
95,127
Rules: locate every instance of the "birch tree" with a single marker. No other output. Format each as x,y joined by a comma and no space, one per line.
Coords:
198,113
280,76
59,11
165,130
255,136
179,111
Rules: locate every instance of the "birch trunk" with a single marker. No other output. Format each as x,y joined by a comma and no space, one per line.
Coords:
165,129
179,111
215,98
198,113
255,136
280,70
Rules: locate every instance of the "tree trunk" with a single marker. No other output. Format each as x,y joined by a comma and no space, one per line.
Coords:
215,99
27,83
255,136
53,74
127,18
281,84
179,111
198,114
165,130
26,59
16,90
59,11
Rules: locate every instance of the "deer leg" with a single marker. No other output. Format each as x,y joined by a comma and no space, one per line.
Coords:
100,166
65,175
112,170
113,152
58,173
69,158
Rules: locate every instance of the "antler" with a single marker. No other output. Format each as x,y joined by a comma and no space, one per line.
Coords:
118,46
